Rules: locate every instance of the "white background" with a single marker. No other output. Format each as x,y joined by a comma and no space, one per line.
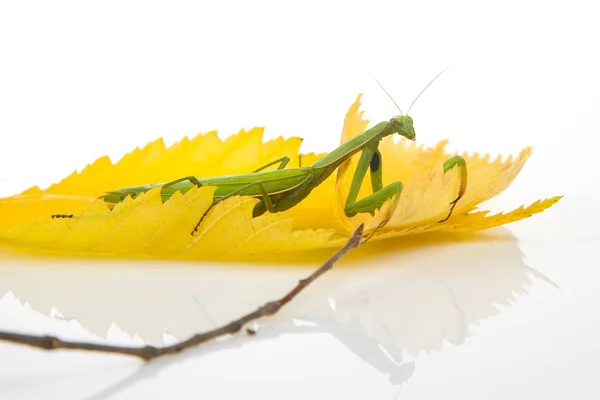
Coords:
79,80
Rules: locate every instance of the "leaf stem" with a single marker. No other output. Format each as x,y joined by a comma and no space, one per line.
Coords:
148,353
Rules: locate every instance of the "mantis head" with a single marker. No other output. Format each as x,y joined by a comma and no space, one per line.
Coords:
403,125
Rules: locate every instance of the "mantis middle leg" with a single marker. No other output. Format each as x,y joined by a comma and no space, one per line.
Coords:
191,179
283,162
263,192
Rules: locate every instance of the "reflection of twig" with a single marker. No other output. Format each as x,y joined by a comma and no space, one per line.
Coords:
150,352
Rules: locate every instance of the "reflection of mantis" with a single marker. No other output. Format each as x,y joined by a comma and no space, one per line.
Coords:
282,189
387,358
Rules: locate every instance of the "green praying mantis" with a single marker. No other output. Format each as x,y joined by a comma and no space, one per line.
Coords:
281,189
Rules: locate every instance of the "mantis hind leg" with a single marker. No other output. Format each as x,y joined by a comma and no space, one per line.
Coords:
461,164
266,200
192,179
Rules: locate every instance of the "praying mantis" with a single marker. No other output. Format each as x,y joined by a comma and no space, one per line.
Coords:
281,189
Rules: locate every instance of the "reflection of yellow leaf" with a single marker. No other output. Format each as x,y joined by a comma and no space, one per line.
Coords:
145,227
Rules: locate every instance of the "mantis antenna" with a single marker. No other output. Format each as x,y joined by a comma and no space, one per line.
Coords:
424,89
386,92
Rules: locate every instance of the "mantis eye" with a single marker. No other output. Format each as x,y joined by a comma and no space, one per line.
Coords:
404,124
397,122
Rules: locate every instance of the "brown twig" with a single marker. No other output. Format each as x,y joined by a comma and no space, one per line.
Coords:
148,353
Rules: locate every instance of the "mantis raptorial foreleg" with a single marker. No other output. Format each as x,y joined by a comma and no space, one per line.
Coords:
265,199
457,161
370,159
394,189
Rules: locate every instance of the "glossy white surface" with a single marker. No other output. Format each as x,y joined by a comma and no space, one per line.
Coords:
512,314
441,320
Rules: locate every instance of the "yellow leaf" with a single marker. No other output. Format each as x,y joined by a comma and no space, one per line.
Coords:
33,204
147,227
427,191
